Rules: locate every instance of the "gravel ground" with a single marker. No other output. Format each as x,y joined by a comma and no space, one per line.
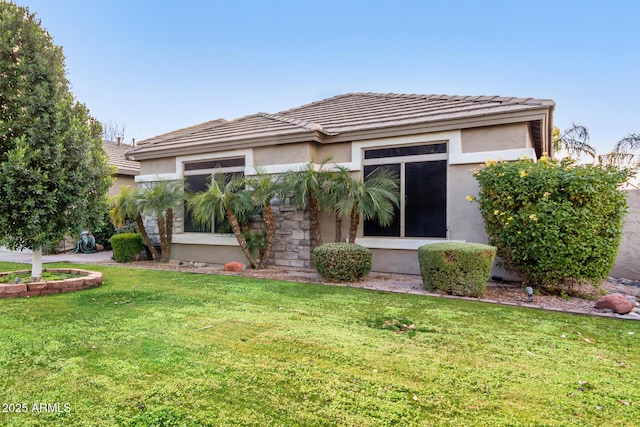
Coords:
497,292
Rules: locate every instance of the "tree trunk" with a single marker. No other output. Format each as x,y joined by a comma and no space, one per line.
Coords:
353,225
169,233
162,230
338,228
314,222
235,226
36,264
270,232
145,237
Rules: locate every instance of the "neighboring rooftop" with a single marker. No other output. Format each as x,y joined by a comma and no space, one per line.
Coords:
116,153
342,116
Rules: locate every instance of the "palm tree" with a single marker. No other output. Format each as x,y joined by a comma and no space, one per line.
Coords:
304,187
573,141
337,187
263,188
128,205
623,152
224,197
160,201
373,198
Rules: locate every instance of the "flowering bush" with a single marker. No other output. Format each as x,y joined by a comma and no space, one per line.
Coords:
556,224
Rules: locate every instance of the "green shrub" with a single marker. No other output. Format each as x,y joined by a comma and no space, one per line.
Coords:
456,268
556,224
342,262
126,246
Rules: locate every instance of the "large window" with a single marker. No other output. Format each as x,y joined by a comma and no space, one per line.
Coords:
198,176
423,185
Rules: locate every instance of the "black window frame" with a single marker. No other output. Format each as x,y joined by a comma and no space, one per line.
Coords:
210,168
434,178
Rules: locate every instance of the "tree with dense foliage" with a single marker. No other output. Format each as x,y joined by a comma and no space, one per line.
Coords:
555,223
54,174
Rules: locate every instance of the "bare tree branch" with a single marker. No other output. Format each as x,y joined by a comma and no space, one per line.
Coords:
111,131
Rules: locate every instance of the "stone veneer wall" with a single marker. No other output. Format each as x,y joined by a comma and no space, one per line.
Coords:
291,247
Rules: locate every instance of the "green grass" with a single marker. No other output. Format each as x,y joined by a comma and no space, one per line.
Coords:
156,348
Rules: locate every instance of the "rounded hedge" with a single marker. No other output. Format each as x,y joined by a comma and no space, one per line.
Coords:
342,262
457,268
126,246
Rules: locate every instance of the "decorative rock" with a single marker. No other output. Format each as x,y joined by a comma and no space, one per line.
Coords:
616,302
99,247
234,266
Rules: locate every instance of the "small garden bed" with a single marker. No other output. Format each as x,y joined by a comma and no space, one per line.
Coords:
53,281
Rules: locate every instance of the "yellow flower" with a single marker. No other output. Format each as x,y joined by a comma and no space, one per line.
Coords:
546,194
523,174
510,218
533,217
471,198
496,212
525,157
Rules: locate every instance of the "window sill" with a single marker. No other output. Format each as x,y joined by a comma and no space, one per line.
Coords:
398,243
205,239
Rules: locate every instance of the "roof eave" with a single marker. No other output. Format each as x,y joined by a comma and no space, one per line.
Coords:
209,146
441,125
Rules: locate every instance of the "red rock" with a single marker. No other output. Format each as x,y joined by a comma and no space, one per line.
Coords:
234,266
616,302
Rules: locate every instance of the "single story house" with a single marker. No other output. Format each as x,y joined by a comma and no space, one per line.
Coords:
127,169
432,141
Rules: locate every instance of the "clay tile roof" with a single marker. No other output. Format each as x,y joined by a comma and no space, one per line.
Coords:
338,115
116,154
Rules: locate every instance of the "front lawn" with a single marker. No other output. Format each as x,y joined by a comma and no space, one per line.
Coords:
163,348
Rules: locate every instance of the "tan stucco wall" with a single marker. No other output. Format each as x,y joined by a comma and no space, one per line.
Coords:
282,154
463,217
207,253
493,138
395,261
158,166
627,263
121,181
338,152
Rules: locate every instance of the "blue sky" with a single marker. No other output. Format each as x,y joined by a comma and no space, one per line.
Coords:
157,66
